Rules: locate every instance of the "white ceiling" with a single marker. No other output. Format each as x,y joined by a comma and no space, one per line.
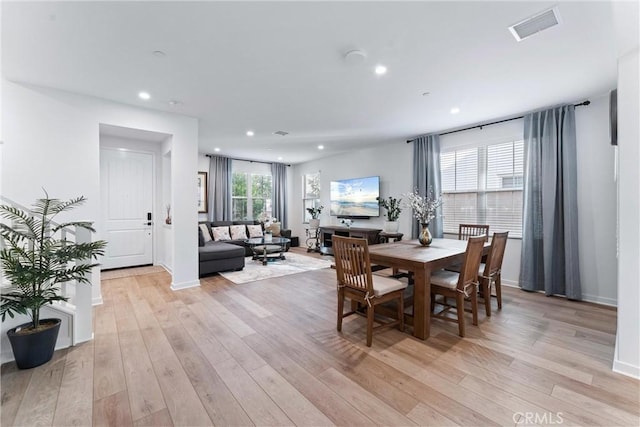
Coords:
269,66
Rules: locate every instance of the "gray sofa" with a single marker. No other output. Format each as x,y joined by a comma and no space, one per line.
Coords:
226,255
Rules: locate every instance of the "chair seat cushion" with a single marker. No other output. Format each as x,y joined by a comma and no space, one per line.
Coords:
445,279
384,285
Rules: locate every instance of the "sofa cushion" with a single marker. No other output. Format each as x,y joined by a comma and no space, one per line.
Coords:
255,230
200,237
238,232
219,250
205,233
274,227
220,233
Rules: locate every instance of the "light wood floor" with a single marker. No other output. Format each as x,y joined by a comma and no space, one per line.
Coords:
267,353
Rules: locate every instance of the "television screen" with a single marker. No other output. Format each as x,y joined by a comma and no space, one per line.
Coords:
355,197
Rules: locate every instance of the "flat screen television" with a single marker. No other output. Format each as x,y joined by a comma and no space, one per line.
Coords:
356,197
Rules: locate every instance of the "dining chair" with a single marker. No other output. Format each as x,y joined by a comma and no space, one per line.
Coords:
490,272
459,286
467,230
356,282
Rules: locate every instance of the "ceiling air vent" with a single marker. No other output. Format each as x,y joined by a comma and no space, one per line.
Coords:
535,24
281,133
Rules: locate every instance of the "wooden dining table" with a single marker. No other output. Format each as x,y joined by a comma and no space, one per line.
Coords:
421,260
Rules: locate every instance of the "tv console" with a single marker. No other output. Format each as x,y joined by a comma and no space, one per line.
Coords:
327,232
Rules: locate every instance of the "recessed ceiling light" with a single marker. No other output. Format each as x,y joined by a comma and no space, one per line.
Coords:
174,102
216,149
426,93
280,158
144,95
250,133
381,69
320,147
455,110
159,54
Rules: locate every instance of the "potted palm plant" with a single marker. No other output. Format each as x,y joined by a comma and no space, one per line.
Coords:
393,207
36,260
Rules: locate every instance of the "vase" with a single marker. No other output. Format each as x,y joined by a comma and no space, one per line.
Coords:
391,226
425,238
314,223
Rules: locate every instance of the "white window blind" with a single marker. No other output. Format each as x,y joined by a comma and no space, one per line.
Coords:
483,185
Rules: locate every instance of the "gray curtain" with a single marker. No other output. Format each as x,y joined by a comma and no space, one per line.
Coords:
426,174
279,179
219,188
550,225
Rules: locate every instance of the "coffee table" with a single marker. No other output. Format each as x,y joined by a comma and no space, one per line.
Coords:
267,249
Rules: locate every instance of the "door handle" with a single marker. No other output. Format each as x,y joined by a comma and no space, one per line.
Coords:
149,222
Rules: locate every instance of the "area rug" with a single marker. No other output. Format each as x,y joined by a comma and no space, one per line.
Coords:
294,263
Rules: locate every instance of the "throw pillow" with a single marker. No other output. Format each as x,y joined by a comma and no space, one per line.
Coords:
274,228
238,232
255,230
220,233
205,232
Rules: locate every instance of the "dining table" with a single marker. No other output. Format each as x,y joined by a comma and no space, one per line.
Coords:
411,256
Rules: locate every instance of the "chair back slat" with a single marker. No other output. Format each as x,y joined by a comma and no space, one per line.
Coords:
468,230
353,266
496,254
471,263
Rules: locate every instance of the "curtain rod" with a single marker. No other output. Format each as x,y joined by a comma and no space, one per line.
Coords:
587,102
245,160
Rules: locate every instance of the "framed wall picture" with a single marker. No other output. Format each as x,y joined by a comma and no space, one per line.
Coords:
203,202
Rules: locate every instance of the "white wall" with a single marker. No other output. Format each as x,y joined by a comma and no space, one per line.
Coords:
166,256
52,140
596,203
596,191
392,162
627,353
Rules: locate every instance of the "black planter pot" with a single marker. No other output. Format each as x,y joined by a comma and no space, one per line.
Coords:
34,349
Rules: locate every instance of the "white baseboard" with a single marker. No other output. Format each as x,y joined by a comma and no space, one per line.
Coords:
184,285
166,268
97,301
624,368
600,300
585,297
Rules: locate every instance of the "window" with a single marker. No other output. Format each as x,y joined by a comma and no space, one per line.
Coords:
483,185
251,195
310,194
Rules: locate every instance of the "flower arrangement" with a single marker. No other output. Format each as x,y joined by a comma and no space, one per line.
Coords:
424,208
315,211
393,207
266,219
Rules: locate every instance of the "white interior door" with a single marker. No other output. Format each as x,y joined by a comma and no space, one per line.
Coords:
126,180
